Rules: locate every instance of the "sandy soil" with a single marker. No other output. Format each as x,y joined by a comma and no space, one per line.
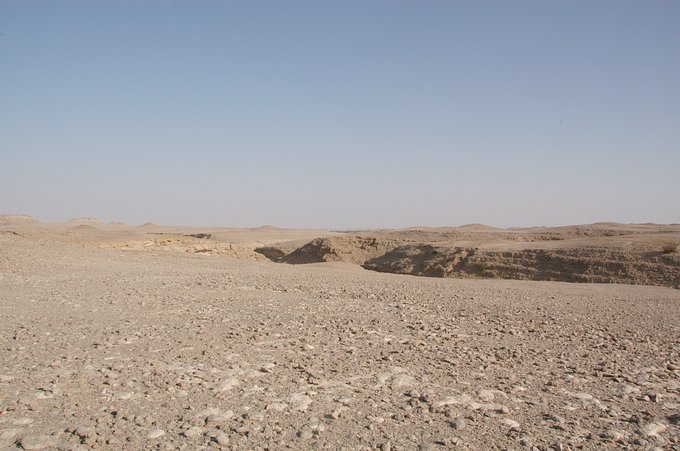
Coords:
115,338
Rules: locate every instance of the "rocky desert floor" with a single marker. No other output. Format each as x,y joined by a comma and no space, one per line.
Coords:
149,338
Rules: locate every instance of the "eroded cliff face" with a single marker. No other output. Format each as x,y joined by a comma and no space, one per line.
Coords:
637,263
597,265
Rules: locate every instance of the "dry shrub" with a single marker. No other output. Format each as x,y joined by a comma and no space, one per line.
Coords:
669,248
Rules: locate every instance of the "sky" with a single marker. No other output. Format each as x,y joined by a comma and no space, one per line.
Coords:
341,114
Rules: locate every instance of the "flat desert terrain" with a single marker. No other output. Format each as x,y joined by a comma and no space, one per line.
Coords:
150,337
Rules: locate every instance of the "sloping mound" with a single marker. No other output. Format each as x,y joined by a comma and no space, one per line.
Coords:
84,228
351,249
85,221
17,219
147,225
317,250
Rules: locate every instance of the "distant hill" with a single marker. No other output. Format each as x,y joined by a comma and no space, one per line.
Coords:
85,221
17,219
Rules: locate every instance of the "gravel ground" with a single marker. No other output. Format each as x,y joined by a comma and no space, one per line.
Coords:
111,349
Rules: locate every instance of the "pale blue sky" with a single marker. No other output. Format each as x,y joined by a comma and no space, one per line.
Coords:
341,114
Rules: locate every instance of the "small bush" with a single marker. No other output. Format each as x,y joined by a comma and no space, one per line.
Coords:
669,248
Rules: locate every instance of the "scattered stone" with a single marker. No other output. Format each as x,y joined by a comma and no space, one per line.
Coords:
34,442
300,402
582,396
512,424
193,431
653,429
459,423
9,434
267,367
305,434
227,384
403,380
155,433
221,438
84,432
455,400
277,406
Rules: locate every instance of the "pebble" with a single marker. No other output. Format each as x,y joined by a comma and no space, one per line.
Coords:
9,434
582,396
486,395
219,417
155,433
276,406
267,367
222,439
84,432
33,442
455,400
512,424
653,429
227,384
22,421
305,434
255,416
300,402
613,434
459,423
193,431
403,380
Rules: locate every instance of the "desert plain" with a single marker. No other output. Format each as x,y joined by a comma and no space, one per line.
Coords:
156,337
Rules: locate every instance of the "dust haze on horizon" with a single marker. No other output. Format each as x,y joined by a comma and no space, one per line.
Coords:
341,115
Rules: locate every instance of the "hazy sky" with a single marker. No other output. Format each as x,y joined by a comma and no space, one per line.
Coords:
341,114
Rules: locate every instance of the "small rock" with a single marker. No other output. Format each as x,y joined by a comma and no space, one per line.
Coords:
305,434
300,402
653,429
403,380
276,406
255,416
512,424
337,413
193,431
222,439
155,433
220,417
205,413
486,395
9,434
33,442
267,367
84,432
455,400
613,435
22,421
459,423
227,384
